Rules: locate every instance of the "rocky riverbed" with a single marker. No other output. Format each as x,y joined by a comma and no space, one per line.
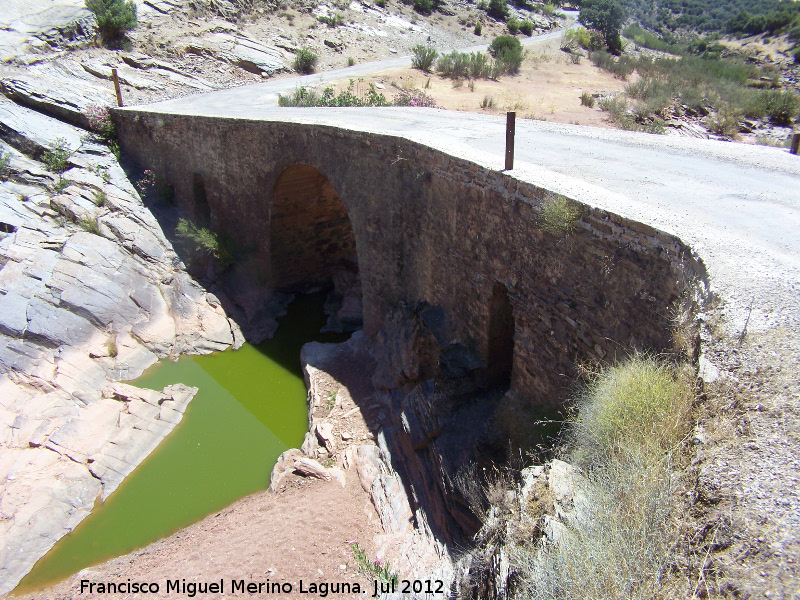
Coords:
91,294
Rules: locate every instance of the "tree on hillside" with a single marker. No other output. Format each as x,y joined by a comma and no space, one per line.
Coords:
607,17
114,17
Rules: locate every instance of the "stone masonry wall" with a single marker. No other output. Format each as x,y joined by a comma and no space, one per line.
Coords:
430,227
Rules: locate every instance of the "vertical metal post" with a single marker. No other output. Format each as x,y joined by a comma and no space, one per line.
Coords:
795,143
510,128
116,86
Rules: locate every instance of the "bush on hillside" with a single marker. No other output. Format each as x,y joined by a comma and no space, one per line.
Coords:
305,61
114,17
507,50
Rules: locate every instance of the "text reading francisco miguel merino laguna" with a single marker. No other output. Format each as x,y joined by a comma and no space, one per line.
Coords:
240,586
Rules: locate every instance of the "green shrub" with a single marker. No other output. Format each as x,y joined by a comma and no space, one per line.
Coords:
305,61
640,404
380,3
498,9
332,20
548,9
587,100
114,17
56,158
782,106
507,51
478,29
200,241
724,122
572,39
423,57
424,7
513,25
526,27
464,65
301,96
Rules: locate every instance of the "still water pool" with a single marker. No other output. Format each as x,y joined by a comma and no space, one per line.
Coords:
250,408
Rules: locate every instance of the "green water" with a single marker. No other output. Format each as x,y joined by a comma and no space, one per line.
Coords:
251,407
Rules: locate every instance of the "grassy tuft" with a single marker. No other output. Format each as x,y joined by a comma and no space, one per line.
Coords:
637,404
559,215
90,224
621,536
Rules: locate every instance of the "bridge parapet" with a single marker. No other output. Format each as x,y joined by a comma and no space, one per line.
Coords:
433,227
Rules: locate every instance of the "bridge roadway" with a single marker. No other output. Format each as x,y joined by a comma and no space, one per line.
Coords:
737,205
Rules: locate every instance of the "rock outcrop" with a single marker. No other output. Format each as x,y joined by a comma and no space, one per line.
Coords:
91,293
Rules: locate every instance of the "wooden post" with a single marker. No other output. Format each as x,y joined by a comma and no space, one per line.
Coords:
795,147
116,86
510,128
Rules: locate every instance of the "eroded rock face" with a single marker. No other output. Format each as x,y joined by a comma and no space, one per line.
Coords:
91,293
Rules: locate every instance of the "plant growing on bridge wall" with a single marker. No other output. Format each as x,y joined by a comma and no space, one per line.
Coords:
559,215
202,242
100,122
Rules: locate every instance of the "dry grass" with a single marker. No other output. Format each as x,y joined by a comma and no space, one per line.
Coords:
637,406
559,215
548,85
624,435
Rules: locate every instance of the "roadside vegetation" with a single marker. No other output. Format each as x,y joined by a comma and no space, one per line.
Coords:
353,95
720,91
626,443
505,56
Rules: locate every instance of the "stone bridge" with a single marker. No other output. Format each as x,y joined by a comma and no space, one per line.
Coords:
531,300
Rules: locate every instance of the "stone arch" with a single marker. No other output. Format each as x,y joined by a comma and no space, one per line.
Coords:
500,348
312,241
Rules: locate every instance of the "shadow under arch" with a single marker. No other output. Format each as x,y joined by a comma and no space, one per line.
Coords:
310,235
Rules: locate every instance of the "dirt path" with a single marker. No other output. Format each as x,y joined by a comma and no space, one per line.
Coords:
304,532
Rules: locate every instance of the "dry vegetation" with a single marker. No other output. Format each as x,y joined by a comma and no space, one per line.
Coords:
548,88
